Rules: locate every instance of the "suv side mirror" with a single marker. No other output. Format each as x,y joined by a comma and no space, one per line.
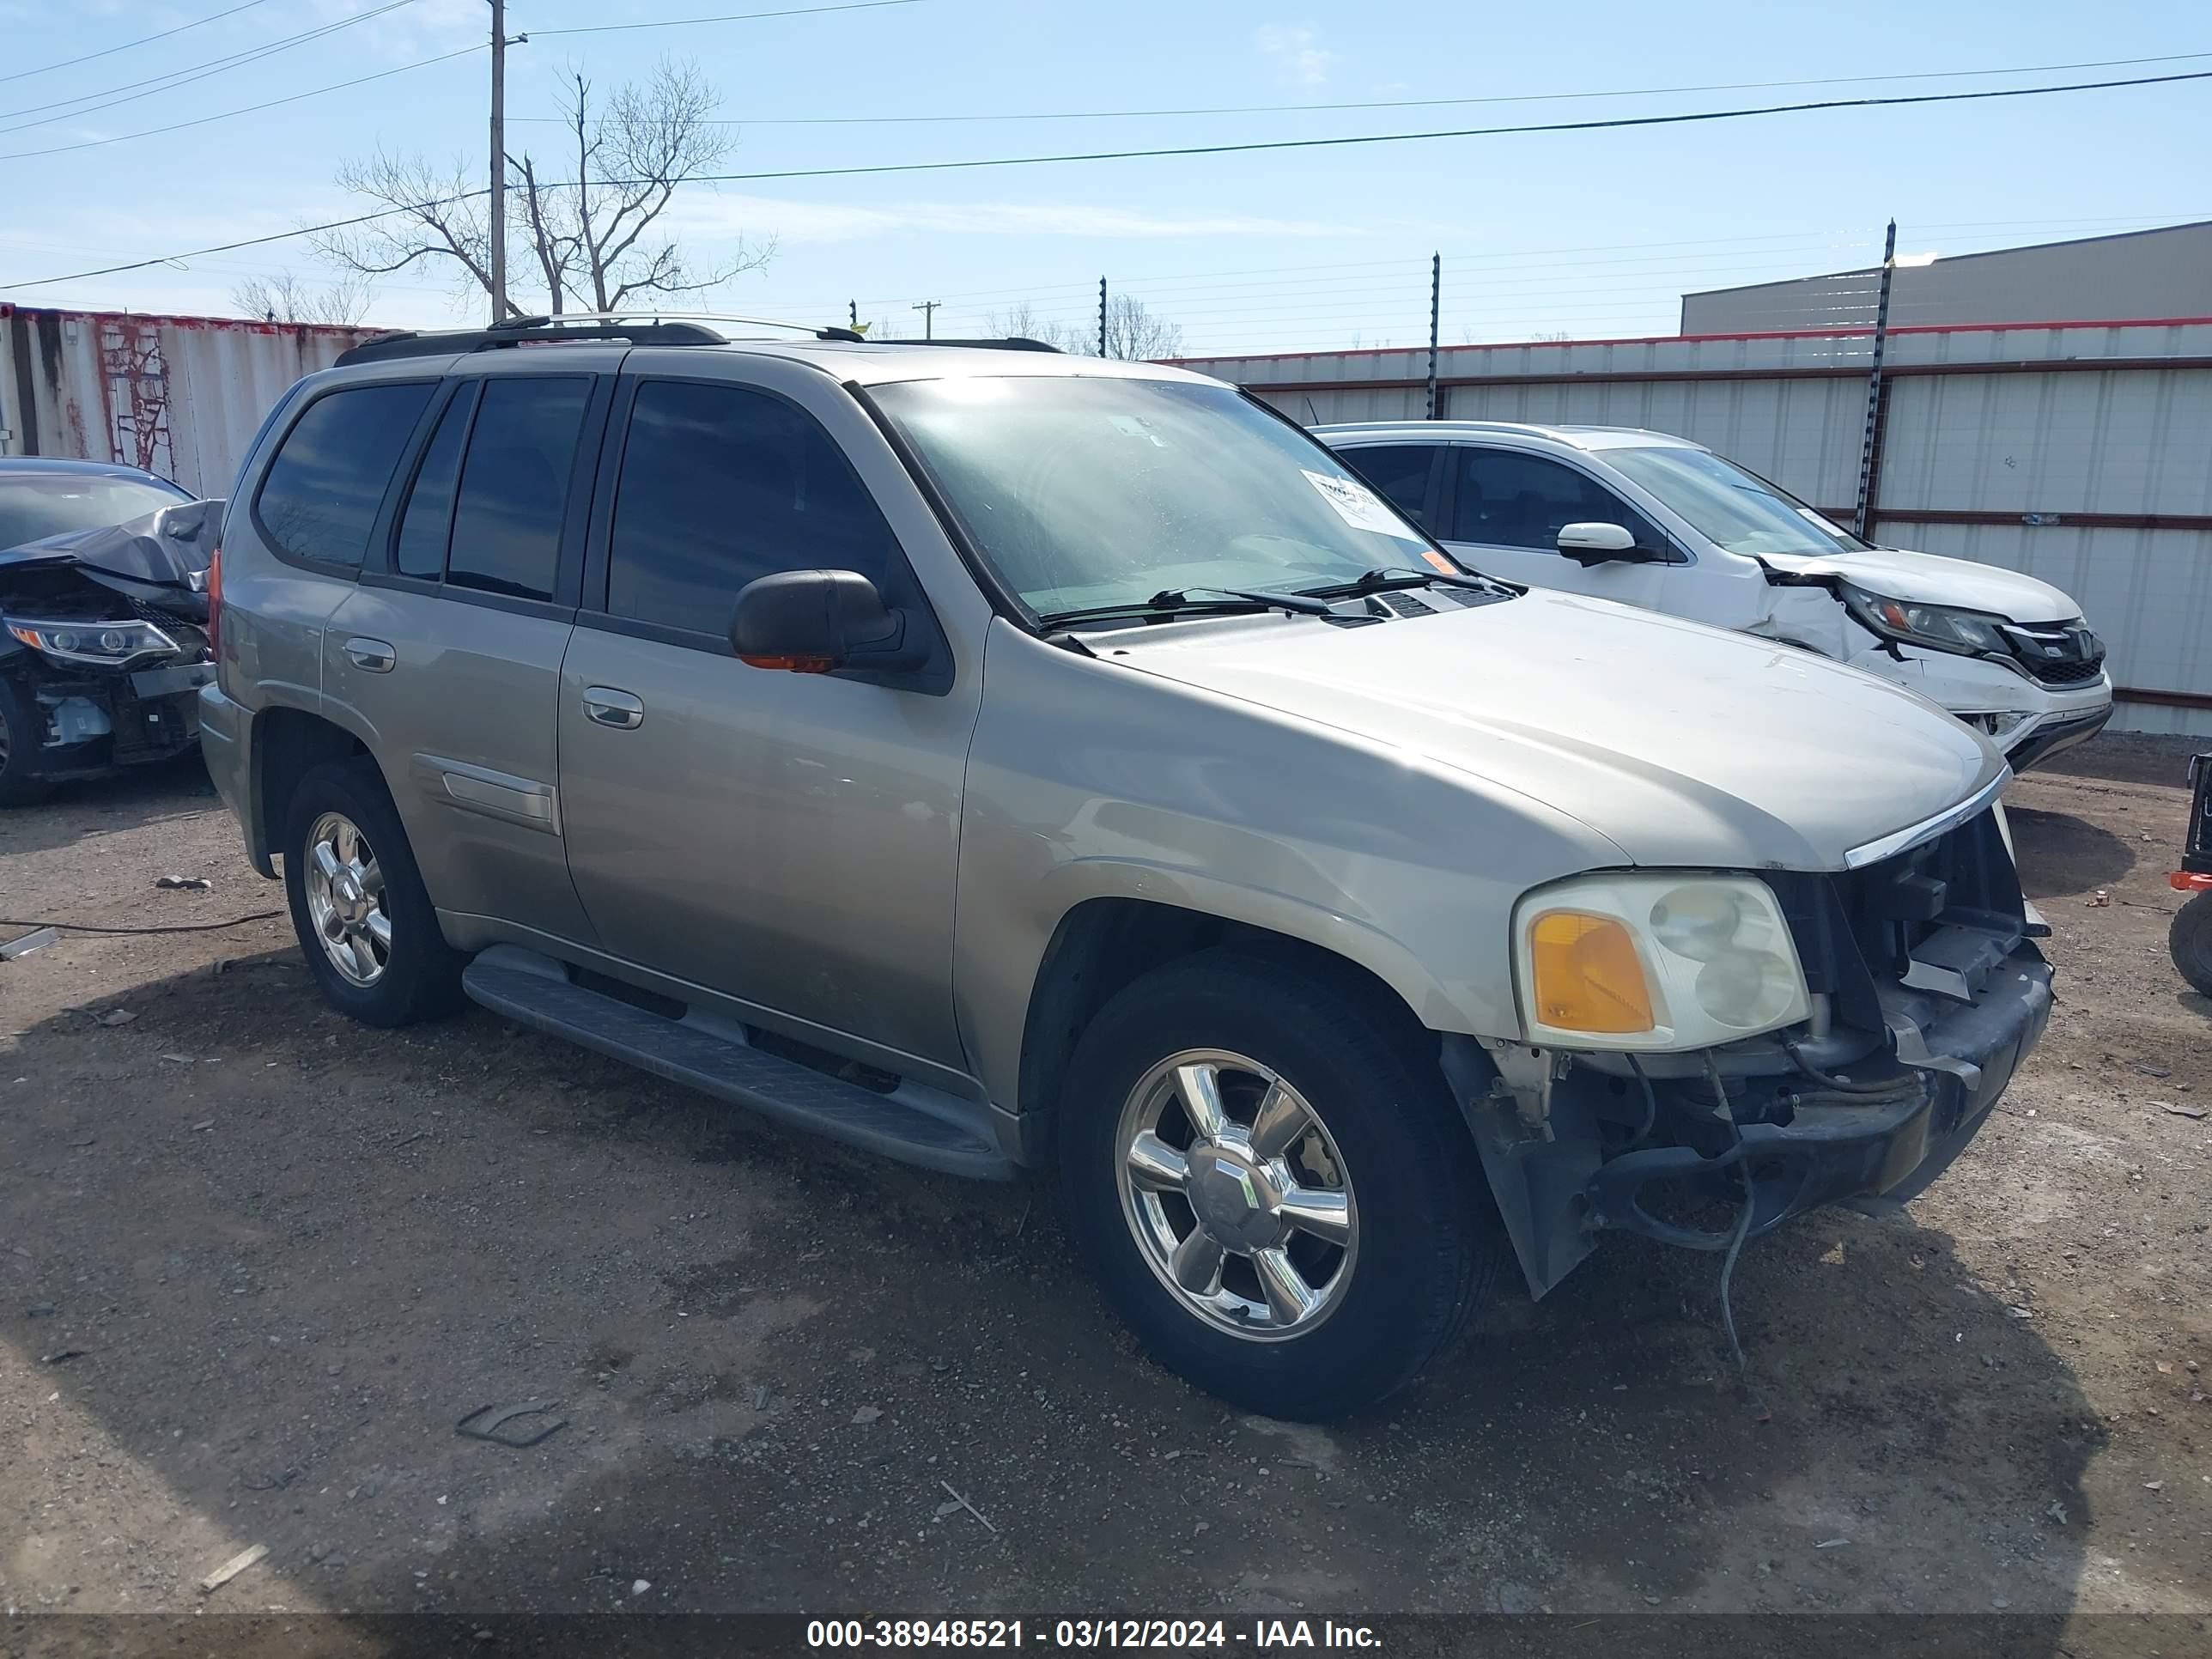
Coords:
817,622
1603,544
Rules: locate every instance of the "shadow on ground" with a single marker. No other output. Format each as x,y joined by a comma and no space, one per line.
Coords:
292,1252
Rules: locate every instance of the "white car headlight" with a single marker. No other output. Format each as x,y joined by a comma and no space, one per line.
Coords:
105,644
1653,961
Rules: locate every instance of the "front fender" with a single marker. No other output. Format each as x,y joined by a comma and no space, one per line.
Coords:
1087,780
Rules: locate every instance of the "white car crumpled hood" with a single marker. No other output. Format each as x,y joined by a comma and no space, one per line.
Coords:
1687,746
1934,580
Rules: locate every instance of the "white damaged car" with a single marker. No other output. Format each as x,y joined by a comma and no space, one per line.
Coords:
1659,522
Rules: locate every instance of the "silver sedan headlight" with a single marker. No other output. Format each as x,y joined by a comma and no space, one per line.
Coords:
1651,960
101,644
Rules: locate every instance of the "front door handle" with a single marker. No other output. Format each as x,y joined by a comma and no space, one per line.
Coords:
371,656
609,706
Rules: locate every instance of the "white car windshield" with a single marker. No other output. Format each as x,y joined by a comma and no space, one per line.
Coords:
1737,510
1086,492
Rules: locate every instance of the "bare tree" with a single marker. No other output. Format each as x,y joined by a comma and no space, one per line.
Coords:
286,299
1025,322
1135,334
587,213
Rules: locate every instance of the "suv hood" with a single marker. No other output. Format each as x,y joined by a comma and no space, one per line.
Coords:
1684,745
1932,579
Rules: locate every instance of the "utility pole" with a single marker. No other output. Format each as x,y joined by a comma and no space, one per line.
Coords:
1870,447
1102,316
498,160
1436,316
928,310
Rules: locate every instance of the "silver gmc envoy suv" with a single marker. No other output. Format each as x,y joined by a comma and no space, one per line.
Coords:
995,758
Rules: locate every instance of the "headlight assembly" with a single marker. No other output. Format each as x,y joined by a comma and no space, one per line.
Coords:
1932,627
1653,961
102,644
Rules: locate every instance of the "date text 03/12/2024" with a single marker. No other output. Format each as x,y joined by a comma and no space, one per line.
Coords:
1261,1634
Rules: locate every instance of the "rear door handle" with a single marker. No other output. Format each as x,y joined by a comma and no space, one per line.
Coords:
371,656
609,706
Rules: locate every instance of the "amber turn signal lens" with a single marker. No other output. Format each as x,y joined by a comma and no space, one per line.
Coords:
1588,977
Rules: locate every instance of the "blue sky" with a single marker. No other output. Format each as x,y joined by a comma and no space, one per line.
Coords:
1583,234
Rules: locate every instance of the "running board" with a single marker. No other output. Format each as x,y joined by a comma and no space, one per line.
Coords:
914,1124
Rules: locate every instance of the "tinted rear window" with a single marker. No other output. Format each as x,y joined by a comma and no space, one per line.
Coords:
319,497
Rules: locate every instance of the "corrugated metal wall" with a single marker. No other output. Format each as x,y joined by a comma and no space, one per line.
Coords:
2080,454
179,395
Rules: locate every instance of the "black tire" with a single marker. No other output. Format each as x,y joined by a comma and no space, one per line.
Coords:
421,979
1429,1243
2190,938
22,732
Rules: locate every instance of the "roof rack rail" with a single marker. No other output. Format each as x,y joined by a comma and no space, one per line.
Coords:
636,327
1011,342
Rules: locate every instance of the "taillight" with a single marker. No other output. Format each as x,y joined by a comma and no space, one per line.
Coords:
215,603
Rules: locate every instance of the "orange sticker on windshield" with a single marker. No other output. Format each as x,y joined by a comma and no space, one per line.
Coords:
1438,562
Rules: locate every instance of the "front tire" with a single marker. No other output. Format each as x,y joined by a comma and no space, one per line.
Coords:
1264,1170
365,921
2190,940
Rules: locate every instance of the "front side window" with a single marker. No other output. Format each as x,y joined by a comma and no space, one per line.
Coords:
1084,492
513,492
1399,474
319,497
721,484
1508,499
1735,509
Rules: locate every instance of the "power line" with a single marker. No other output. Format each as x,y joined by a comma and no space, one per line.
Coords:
144,39
1404,103
169,81
1610,123
727,17
1613,122
225,115
250,109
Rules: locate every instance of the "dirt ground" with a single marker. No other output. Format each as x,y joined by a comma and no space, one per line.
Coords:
256,1262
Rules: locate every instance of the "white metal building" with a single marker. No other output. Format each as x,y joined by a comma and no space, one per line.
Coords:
2079,453
2165,272
179,395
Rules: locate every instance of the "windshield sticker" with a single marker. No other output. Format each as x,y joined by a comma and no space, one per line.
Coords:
1360,506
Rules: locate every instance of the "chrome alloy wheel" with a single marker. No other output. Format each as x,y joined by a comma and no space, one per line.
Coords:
1237,1196
345,899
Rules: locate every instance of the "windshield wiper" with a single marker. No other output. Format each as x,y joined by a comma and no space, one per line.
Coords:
1388,576
1179,602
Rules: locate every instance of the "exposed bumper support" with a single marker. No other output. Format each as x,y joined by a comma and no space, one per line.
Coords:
1875,1153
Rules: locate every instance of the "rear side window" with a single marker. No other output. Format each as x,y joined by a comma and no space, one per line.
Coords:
720,485
319,497
1399,473
426,524
514,486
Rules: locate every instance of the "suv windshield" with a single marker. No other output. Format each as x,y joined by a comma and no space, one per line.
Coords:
1088,492
36,506
1737,510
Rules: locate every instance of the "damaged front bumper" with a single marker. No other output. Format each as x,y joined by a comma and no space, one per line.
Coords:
94,722
1873,1151
1927,994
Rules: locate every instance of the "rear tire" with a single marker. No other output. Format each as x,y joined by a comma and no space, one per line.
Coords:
1338,1169
22,732
2190,938
364,919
